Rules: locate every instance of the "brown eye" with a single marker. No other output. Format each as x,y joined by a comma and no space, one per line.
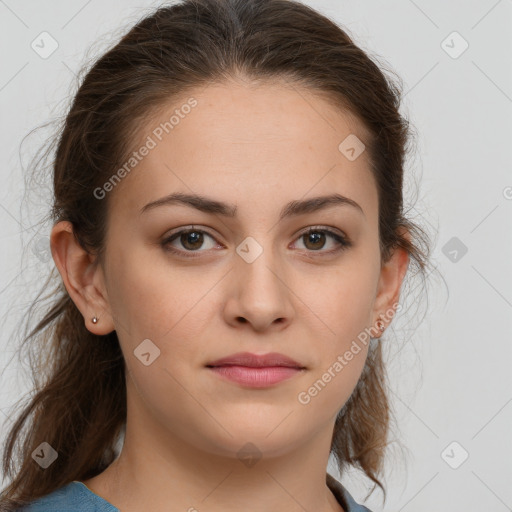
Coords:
189,240
315,239
192,240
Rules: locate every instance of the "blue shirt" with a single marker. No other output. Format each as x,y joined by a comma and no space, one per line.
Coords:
77,497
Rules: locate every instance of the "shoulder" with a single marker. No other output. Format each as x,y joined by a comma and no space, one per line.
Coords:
343,496
74,496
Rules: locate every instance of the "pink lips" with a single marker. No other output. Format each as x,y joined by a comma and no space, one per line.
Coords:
256,371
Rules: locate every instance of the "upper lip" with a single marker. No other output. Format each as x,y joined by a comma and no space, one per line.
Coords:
256,361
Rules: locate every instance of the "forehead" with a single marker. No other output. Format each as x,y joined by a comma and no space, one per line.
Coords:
238,141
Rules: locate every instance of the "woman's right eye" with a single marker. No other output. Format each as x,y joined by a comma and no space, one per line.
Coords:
190,239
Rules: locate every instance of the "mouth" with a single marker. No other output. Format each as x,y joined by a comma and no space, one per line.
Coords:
250,360
256,371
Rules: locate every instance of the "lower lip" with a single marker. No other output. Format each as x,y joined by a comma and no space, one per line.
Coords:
256,377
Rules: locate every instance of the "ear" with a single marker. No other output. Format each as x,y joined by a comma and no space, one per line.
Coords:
82,277
388,291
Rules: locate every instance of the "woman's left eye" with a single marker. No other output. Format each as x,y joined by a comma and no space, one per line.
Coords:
192,239
316,236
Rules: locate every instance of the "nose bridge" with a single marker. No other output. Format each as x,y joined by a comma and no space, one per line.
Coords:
260,276
258,259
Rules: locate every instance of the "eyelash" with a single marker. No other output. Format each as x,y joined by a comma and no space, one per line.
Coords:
343,242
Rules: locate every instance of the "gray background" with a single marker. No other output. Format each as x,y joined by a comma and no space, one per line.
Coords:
451,380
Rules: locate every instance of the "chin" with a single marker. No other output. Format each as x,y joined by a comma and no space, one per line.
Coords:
256,442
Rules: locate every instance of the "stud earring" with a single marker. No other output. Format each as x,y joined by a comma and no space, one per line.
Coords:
382,326
94,320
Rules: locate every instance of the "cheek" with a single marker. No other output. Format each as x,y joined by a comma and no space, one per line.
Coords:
342,297
342,301
340,362
164,393
149,295
328,391
341,347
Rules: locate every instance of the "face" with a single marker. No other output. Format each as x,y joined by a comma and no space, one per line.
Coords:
247,277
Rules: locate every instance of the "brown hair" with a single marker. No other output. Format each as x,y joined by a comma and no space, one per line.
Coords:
79,406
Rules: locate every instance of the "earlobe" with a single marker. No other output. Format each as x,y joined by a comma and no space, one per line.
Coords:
390,282
82,278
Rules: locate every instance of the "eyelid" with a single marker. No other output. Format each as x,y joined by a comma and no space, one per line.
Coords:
323,227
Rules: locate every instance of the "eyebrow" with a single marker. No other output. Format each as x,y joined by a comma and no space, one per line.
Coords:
293,208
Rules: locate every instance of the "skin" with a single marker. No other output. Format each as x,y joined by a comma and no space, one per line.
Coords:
185,424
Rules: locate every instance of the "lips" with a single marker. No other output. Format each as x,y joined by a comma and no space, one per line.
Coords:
256,371
250,360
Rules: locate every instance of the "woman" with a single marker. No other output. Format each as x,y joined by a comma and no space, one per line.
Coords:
230,237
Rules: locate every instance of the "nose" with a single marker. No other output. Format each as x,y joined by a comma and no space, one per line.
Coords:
259,294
